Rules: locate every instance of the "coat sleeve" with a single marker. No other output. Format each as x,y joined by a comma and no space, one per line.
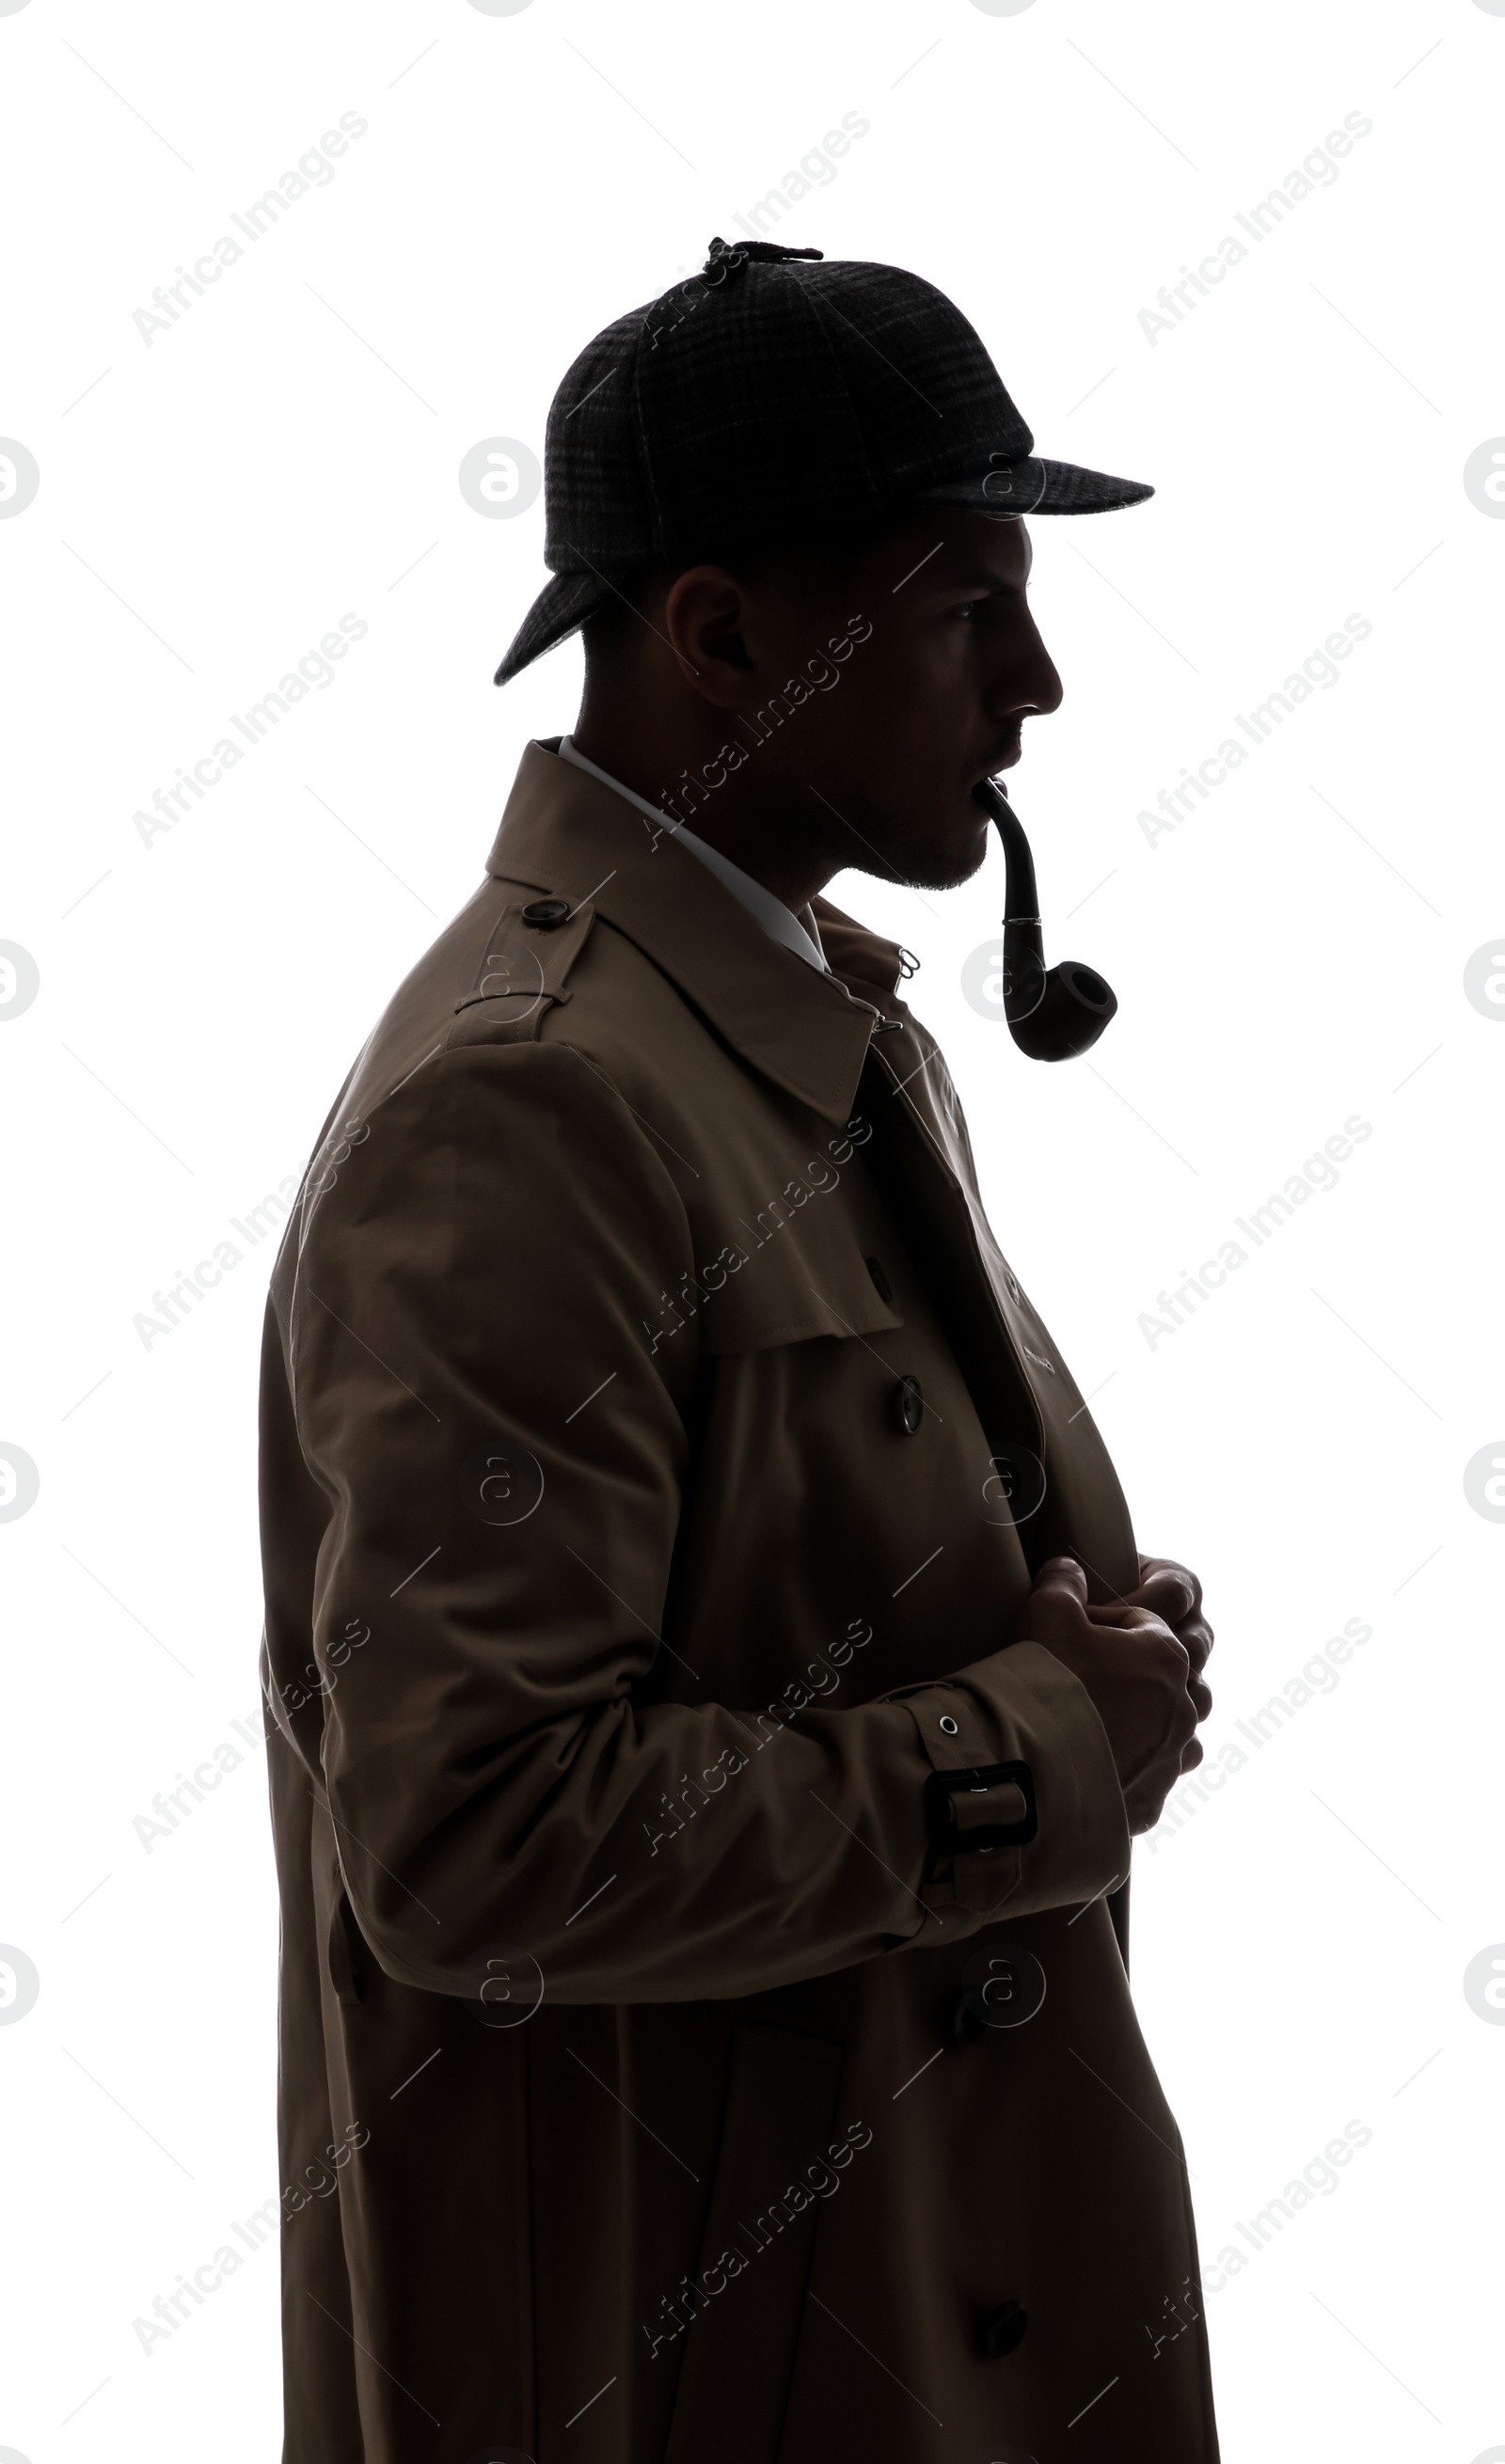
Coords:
498,1459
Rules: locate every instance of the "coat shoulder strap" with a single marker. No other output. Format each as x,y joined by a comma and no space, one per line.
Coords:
521,970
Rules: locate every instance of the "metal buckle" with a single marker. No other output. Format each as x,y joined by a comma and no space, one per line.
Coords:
949,1837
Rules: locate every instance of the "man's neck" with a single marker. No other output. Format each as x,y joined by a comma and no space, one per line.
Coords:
744,818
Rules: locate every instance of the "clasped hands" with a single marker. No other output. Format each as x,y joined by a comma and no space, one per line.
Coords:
1142,1659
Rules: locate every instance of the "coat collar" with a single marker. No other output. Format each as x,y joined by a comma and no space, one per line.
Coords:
565,833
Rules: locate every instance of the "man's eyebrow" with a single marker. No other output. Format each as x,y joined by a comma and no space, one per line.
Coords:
973,577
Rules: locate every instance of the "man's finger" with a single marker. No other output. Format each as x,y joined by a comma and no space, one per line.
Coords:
1197,1636
1172,1583
1171,1592
1062,1575
1152,1567
1129,1615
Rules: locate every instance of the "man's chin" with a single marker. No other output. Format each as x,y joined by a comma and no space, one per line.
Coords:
945,864
921,850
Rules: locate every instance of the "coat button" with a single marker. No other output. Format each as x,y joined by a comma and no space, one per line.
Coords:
1000,2330
546,913
960,2024
909,1405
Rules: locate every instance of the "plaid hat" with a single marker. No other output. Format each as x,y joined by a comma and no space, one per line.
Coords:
770,393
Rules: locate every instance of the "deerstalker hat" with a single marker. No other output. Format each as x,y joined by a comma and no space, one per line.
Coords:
766,395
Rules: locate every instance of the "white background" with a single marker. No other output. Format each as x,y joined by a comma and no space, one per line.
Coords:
214,500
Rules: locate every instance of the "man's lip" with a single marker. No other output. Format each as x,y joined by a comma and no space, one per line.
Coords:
1011,749
1006,761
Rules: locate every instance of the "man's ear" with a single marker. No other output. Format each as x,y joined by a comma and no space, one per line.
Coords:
705,613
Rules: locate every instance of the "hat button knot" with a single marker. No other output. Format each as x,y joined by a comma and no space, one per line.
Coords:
723,262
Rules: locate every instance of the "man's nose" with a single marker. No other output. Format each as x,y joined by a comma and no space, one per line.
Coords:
1026,680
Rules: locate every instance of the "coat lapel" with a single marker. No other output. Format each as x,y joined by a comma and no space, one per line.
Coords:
563,832
816,1036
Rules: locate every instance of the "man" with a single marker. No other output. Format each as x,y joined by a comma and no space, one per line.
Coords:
714,1683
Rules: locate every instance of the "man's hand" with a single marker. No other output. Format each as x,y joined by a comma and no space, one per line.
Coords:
1144,1680
1174,1593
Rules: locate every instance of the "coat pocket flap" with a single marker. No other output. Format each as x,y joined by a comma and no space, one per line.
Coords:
787,1287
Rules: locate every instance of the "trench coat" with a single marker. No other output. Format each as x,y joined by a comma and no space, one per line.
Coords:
705,2034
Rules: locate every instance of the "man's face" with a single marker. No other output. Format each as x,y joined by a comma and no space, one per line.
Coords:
922,662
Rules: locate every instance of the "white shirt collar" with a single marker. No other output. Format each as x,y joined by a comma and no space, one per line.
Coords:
777,920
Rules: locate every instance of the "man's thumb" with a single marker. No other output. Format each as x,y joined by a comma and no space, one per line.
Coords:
1063,1575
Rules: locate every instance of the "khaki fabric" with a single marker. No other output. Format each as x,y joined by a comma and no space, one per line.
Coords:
644,1393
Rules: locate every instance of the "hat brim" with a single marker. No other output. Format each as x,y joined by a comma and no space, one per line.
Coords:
560,610
1031,486
1037,486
